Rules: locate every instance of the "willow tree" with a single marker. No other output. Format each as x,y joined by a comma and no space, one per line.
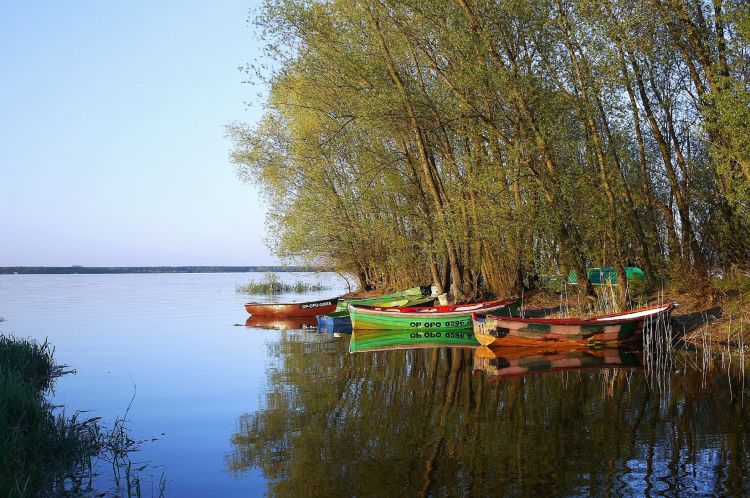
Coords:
478,143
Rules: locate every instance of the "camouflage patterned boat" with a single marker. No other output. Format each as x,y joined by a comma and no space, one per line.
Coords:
400,298
428,318
616,328
511,362
383,340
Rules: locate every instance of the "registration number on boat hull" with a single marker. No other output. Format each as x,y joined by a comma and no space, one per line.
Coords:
437,325
444,335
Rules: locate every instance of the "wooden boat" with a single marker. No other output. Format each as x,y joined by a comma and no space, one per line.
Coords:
513,362
310,308
393,299
616,328
340,321
431,319
383,340
282,323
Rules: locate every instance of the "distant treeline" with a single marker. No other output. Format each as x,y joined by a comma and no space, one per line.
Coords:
40,270
478,143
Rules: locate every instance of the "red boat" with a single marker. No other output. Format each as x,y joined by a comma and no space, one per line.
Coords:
310,308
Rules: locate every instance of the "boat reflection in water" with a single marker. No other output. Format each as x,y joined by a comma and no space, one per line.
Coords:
513,362
411,420
382,340
282,323
332,323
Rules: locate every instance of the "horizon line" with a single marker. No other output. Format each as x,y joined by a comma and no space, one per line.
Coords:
76,269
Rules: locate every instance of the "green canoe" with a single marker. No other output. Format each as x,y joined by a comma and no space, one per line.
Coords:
427,318
382,340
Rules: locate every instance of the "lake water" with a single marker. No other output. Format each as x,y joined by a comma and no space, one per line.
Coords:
245,411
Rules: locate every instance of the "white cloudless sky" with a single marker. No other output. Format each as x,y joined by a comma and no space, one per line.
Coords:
112,140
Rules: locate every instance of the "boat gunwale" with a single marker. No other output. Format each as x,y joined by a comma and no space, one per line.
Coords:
595,320
420,311
334,300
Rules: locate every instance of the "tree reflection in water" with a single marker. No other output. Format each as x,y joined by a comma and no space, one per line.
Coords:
424,422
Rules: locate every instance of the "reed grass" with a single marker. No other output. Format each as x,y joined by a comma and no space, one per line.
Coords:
728,353
39,449
658,347
30,360
42,451
272,285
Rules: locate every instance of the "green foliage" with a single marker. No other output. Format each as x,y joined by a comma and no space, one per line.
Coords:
30,360
730,120
739,285
272,285
483,142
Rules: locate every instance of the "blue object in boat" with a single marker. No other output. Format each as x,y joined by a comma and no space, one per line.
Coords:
335,322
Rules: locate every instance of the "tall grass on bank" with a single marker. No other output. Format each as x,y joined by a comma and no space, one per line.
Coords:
39,450
41,453
30,360
728,353
272,285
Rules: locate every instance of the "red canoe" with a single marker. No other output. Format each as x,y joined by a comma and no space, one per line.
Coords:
310,308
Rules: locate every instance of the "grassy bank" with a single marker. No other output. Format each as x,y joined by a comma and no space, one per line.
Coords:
710,314
717,315
44,453
272,285
40,451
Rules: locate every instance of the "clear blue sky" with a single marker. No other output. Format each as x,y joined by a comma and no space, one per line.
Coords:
112,141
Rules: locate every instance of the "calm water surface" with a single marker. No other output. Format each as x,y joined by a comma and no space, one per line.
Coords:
243,411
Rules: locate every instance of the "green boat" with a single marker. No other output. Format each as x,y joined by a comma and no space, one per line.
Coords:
382,340
406,297
434,319
339,321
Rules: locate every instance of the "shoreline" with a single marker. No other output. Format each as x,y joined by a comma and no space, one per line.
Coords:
702,321
99,270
